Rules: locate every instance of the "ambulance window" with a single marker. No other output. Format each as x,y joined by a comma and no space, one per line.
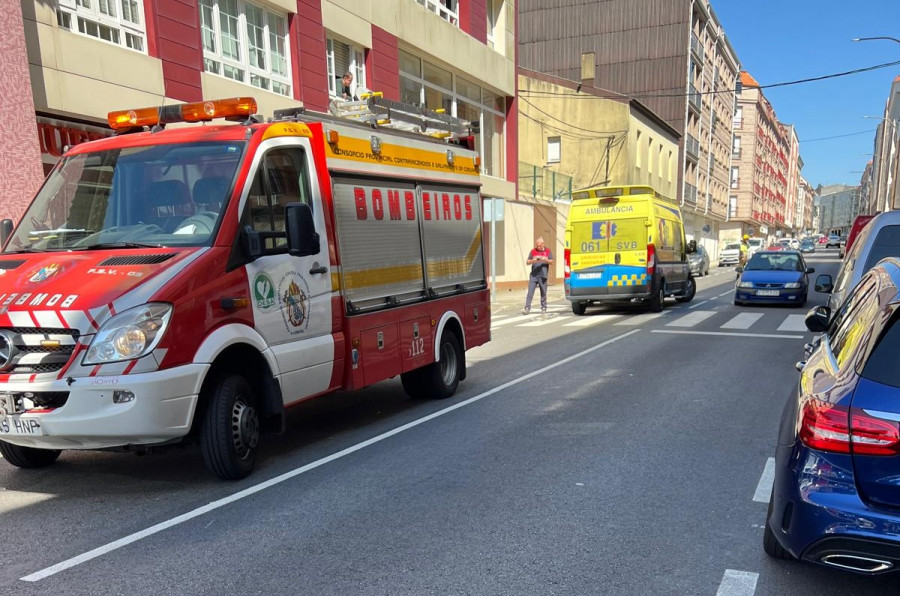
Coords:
679,245
281,179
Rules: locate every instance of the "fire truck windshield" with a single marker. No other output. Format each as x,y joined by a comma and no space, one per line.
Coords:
159,195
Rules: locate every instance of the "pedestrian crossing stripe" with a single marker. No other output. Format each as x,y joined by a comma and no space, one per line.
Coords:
633,279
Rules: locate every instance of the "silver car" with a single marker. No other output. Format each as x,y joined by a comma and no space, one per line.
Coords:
879,239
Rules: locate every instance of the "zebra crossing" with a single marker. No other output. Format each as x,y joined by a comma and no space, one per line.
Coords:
676,319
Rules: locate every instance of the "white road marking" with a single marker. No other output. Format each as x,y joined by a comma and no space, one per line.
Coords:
641,319
498,317
592,320
725,293
517,319
540,321
764,488
692,320
738,583
794,323
743,321
117,544
698,304
725,333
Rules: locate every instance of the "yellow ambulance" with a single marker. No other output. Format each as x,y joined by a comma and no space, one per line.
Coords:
626,244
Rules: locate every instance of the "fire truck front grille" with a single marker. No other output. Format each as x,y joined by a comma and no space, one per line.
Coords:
32,350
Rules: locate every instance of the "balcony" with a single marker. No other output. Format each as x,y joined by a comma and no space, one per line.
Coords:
690,194
446,10
694,98
539,182
692,147
697,48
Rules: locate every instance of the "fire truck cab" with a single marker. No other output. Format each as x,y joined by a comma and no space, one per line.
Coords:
191,282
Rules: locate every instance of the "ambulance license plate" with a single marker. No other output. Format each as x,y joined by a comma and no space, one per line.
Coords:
17,425
767,292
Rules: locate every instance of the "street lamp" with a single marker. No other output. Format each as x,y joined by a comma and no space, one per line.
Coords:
872,38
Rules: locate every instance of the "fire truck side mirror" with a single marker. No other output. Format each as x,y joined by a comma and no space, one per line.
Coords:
301,230
6,228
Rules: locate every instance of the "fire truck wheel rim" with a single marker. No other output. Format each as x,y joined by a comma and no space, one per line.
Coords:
244,428
449,364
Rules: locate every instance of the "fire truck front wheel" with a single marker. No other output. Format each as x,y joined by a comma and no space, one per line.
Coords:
439,379
27,457
231,428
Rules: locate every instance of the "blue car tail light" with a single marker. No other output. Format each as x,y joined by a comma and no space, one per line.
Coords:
839,429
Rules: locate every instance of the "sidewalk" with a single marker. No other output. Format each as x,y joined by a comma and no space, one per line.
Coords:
506,301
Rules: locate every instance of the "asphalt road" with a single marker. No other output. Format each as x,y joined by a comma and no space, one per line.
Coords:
615,453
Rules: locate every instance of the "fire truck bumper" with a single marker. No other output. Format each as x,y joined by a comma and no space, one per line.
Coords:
102,412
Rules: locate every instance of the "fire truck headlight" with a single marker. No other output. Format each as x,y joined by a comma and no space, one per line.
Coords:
129,335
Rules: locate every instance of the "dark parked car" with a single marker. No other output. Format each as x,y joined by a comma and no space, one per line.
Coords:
773,277
699,262
836,495
807,245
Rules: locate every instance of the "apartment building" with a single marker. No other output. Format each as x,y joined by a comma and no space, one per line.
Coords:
674,57
73,61
836,207
759,184
883,195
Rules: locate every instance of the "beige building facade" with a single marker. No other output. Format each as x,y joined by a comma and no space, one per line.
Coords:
574,136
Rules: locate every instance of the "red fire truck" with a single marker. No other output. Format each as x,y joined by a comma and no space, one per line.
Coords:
192,282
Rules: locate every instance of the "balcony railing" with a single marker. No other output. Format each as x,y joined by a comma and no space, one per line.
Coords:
690,194
692,147
446,9
543,183
697,47
694,97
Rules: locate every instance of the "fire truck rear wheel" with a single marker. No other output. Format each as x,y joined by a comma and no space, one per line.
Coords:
231,429
439,379
28,457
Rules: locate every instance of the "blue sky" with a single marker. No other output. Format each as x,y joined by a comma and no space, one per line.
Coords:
786,40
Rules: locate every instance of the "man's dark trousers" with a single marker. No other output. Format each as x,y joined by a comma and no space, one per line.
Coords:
540,282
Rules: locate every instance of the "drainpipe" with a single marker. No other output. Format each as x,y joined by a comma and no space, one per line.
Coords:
687,99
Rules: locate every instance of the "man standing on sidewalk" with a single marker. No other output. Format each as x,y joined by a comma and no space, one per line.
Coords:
540,258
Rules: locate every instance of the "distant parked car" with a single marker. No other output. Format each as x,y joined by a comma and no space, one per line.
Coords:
730,255
807,245
773,277
699,262
879,239
833,240
836,498
756,245
822,240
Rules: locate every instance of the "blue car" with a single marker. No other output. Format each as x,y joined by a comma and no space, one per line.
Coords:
836,494
773,277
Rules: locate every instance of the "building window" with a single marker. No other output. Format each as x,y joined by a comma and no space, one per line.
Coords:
492,8
736,146
120,22
732,206
434,87
738,117
342,58
553,149
637,151
246,43
446,9
734,176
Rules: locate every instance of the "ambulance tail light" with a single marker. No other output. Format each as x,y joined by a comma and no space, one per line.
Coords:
567,256
651,259
236,108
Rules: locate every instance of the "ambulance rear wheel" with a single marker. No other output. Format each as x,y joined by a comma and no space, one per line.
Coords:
439,379
231,429
578,308
28,457
657,302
